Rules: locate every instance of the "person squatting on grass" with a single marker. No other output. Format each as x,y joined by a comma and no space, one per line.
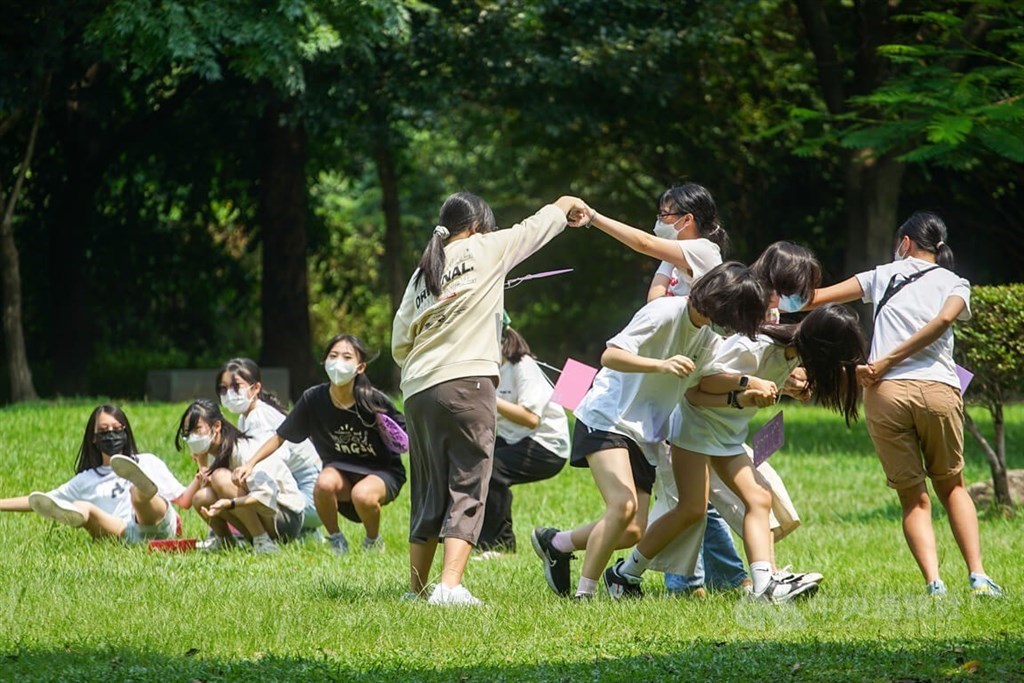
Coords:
713,423
532,440
116,491
791,273
346,419
266,507
240,387
445,337
623,419
912,399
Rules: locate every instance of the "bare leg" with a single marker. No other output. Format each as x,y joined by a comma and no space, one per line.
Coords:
614,478
246,519
368,496
204,498
331,487
963,520
456,555
738,473
690,471
148,511
98,523
421,557
917,529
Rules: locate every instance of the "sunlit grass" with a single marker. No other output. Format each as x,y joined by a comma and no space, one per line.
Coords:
72,609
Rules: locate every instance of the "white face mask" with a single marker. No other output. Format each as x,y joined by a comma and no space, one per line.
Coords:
340,371
236,402
199,443
897,256
666,231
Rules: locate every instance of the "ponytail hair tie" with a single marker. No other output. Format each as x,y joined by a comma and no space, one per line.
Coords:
939,245
442,232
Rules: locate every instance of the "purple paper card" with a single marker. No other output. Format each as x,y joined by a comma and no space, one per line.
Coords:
395,438
768,439
573,383
965,376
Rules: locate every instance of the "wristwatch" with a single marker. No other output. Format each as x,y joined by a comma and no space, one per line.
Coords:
744,381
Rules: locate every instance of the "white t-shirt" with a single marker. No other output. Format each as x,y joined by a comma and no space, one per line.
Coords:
272,484
702,255
262,422
913,307
525,384
637,404
722,431
112,494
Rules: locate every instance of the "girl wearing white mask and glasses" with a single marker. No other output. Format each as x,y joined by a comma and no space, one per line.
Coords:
240,387
266,507
358,434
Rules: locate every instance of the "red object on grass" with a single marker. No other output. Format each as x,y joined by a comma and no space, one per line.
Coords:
172,545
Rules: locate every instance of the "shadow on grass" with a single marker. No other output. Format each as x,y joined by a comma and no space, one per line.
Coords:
991,659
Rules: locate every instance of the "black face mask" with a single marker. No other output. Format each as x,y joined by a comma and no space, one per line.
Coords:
112,443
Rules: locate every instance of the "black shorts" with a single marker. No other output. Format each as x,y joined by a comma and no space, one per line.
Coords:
586,441
391,485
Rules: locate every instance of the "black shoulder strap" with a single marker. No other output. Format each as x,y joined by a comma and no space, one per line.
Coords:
893,287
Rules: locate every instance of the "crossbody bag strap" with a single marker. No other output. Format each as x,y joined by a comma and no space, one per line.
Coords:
893,288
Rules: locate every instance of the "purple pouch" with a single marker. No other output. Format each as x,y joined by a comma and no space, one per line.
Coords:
395,438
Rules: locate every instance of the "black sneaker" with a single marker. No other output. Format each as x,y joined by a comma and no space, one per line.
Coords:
556,563
620,586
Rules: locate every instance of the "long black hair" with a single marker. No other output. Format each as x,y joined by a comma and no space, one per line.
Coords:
788,268
731,296
247,369
460,212
209,412
89,455
929,233
695,199
830,344
369,400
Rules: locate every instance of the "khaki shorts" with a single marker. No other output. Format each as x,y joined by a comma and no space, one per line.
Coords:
451,441
908,419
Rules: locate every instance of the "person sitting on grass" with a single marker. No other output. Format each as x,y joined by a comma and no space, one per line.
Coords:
345,419
117,492
241,390
266,507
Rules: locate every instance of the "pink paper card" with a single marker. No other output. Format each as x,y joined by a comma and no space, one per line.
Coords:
573,383
965,376
768,439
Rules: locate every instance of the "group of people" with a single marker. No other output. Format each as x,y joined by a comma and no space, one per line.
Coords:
666,417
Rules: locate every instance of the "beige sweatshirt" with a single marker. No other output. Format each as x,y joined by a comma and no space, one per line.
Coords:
435,340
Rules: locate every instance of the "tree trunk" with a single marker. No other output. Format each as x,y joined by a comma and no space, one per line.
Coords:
282,216
22,387
996,456
394,274
872,189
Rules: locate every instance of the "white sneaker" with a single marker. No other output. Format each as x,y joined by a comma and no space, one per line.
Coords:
264,545
487,555
45,505
126,468
215,544
779,591
458,595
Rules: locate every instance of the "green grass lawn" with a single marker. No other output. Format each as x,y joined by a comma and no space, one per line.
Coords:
72,609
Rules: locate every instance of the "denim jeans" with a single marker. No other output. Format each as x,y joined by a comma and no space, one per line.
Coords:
718,566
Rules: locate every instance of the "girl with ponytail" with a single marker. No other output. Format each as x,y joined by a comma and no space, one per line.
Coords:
358,434
912,400
445,338
241,390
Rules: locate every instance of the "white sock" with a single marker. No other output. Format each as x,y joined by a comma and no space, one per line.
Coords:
336,534
586,586
760,574
562,542
635,565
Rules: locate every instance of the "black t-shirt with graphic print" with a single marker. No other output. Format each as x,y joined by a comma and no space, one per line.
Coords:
349,441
